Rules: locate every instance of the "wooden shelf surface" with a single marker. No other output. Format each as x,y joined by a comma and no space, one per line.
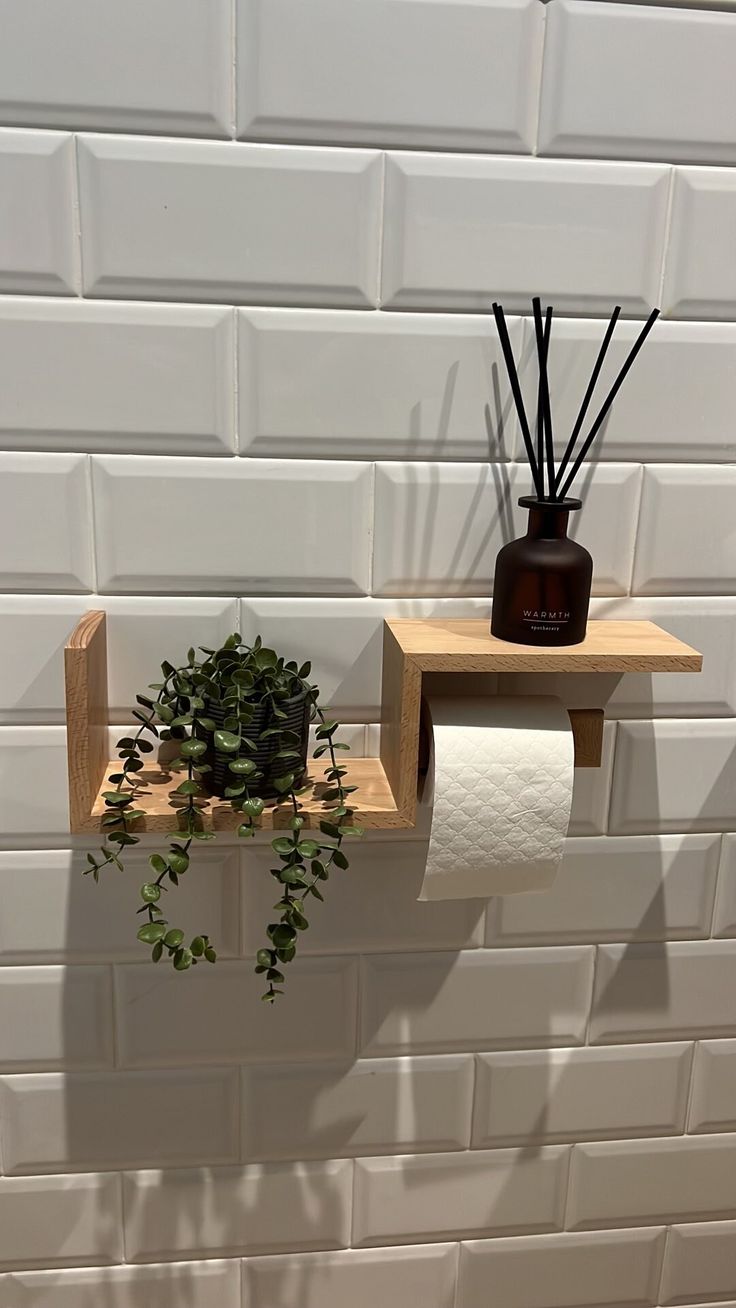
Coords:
466,645
375,804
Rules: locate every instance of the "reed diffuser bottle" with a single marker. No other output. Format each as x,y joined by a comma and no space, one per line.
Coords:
541,590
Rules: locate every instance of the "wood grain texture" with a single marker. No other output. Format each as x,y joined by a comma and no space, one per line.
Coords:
375,805
400,705
85,677
466,645
587,734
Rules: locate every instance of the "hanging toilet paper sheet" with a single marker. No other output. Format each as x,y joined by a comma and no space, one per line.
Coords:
499,784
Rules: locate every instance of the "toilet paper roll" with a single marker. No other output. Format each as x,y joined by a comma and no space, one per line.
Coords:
499,784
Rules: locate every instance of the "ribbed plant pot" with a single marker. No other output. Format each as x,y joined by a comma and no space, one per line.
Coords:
297,720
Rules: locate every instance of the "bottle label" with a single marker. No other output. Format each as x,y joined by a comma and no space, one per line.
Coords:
546,619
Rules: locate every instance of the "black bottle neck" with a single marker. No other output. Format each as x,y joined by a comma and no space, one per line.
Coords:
547,519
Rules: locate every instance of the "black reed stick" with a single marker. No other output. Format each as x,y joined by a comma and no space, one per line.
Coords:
609,400
588,395
508,355
543,401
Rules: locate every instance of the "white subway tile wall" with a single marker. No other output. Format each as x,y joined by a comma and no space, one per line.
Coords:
249,380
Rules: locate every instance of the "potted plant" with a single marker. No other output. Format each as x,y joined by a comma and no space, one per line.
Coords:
237,720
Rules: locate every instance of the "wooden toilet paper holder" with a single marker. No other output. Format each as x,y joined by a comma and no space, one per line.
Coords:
387,786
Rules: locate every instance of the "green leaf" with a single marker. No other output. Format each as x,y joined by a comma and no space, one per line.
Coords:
253,806
273,974
207,724
282,784
265,957
151,933
326,730
150,892
339,859
352,831
313,890
158,863
188,788
246,829
265,658
179,862
242,767
116,800
173,938
226,742
308,848
232,792
182,959
286,954
282,935
304,670
210,954
193,748
319,869
157,951
184,721
203,835
198,946
329,829
123,838
145,746
282,845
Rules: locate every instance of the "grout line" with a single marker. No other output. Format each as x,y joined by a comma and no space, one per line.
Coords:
371,528
717,890
691,1087
77,217
381,230
235,396
665,1247
542,55
637,527
91,538
233,69
667,231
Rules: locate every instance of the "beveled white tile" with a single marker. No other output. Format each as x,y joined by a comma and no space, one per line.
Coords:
377,1106
53,1017
165,219
700,280
148,379
362,1278
635,1183
58,1221
475,1000
263,1208
708,623
37,238
674,403
215,1015
343,639
211,1284
562,1271
585,109
454,518
591,790
682,546
627,888
76,1121
713,1100
657,992
53,914
699,1263
674,775
45,522
439,1196
141,630
371,907
379,73
49,78
580,1094
724,917
317,383
461,230
245,513
33,782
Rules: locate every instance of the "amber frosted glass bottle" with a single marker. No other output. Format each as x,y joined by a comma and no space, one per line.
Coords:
541,589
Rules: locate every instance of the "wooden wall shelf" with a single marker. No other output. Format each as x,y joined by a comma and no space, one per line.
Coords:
387,786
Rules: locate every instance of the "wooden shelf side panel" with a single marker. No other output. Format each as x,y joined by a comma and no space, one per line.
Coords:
85,676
